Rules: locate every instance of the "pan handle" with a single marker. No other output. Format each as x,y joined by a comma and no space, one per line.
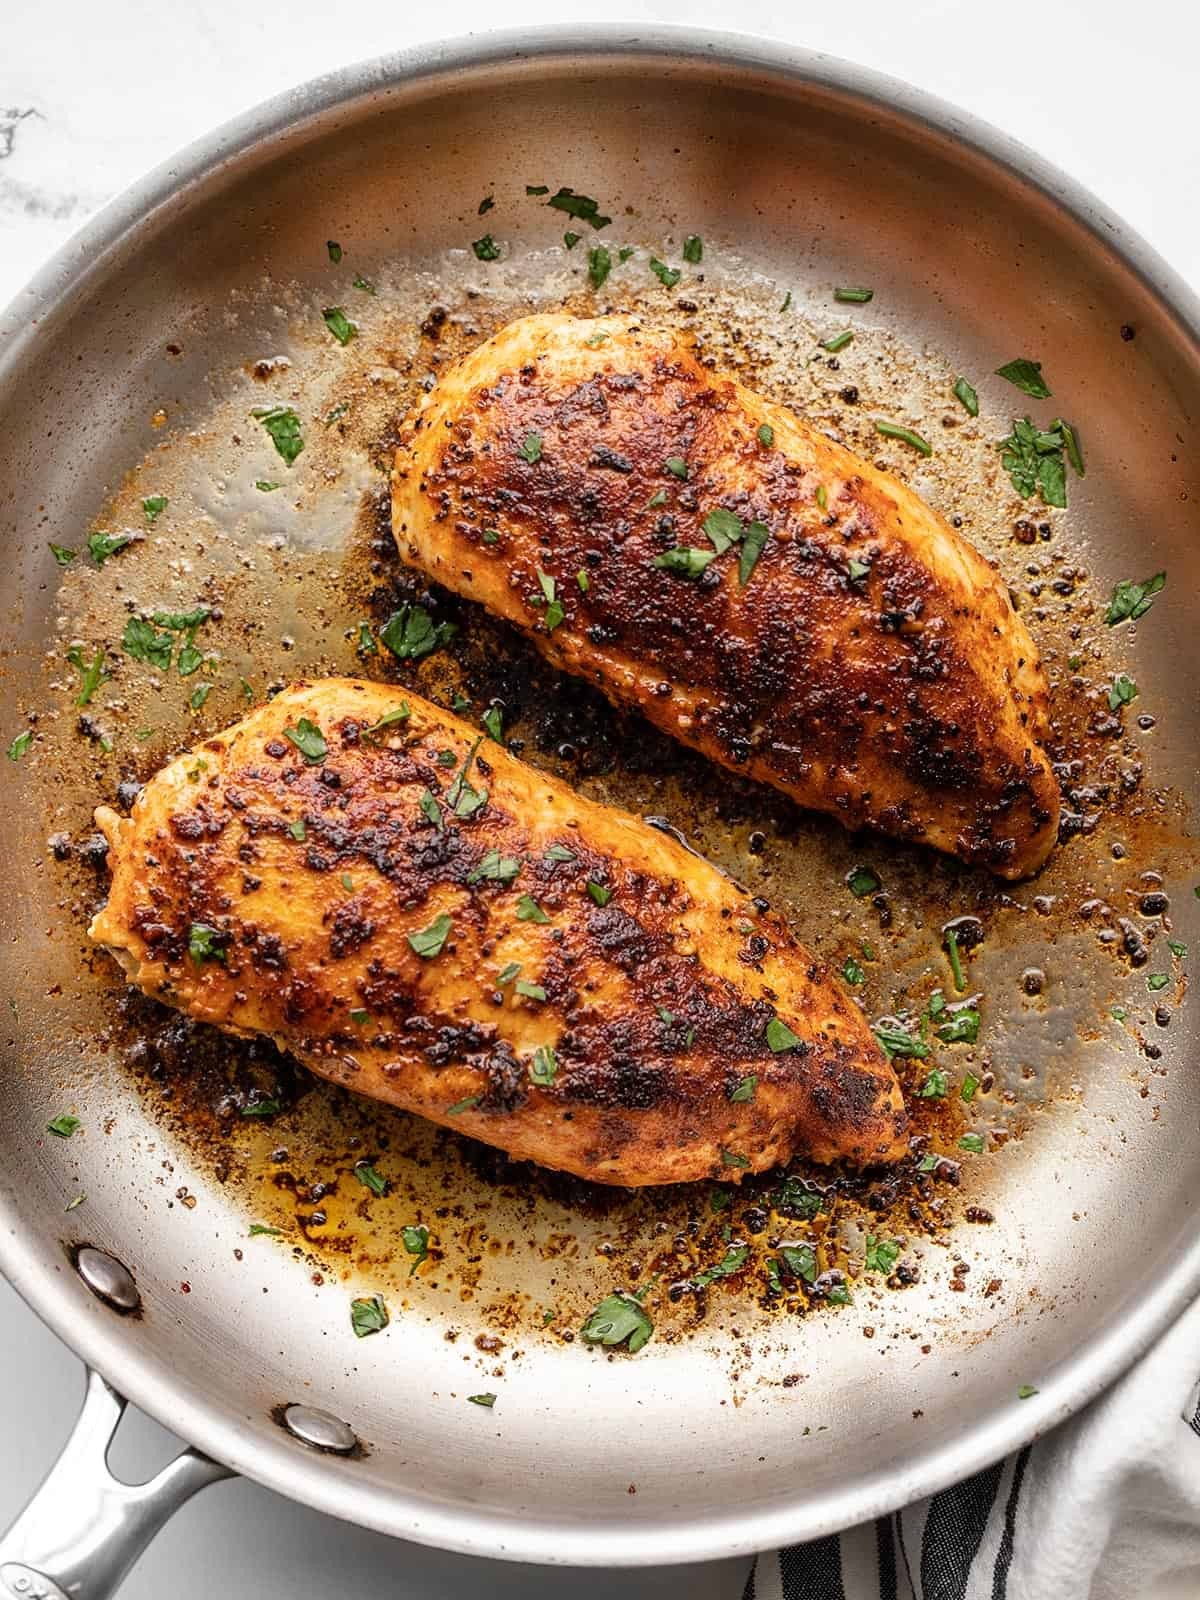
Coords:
83,1530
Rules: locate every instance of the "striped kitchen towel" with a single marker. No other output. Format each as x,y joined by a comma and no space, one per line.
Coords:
1107,1507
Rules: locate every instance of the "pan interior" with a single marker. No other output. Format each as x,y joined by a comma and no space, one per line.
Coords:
738,1423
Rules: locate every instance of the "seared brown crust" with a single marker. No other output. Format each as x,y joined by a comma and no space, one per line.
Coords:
872,666
656,1002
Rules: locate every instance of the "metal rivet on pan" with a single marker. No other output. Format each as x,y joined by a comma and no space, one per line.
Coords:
321,1429
108,1279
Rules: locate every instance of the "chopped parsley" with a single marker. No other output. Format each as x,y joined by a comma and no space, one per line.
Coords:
896,1040
259,1228
684,561
857,571
580,206
266,1107
283,425
495,868
488,1400
543,1069
364,284
599,266
582,579
335,250
463,799
486,249
667,276
676,466
339,324
530,448
935,1085
428,942
265,485
62,555
416,1241
881,1254
822,497
744,1090
359,1017
862,881
856,297
1177,949
507,973
766,435
619,1319
800,1261
1132,600
492,720
970,1087
852,972
370,1178
63,1126
401,714
1121,691
753,544
411,633
154,505
19,745
537,188
528,910
103,545
531,991
366,645
93,672
1033,459
204,943
956,967
309,740
795,1199
485,205
1025,375
780,1037
972,1142
559,852
966,396
693,249
837,341
787,300
732,1261
595,340
600,892
733,1158
368,1316
1026,1391
1070,439
893,430
1156,981
571,240
468,1103
960,1027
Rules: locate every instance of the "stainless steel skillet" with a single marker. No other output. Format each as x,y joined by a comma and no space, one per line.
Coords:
808,173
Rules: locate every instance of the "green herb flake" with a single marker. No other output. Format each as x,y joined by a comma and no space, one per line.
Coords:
401,714
1026,1391
531,991
309,740
881,1254
571,240
204,943
935,1086
154,505
787,300
335,250
258,1229
62,555
966,397
63,1126
339,324
800,1261
858,571
583,581
428,942
837,341
507,973
199,695
468,1103
766,435
93,672
856,297
893,430
580,206
839,1295
970,1087
733,1158
265,486
264,1107
1132,600
531,448
676,466
411,633
486,249
744,1090
852,972
368,1316
719,1200
283,425
485,205
559,852
537,188
1157,980
595,340
1177,949
693,249
619,1319
1071,445
599,892
780,1037
624,253
364,284
862,881
962,1027
732,1261
359,1017
415,1237
667,276
488,1400
929,1163
1033,459
895,1040
20,745
1025,375
684,561
822,497
1122,691
528,910
753,544
370,1177
795,1199
599,266
495,868
103,545
972,1142
493,721
722,528
543,1069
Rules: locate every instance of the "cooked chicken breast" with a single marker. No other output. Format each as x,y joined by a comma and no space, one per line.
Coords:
418,915
752,587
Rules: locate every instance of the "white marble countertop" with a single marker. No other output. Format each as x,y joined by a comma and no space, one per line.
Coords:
91,96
